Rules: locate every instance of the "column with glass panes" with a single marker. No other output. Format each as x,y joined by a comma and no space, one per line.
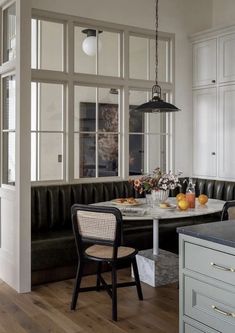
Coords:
15,145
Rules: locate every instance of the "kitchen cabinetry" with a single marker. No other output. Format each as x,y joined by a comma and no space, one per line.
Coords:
226,131
204,132
226,58
213,104
207,278
204,63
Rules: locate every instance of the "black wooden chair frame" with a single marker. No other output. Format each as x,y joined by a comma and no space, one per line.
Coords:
101,284
227,205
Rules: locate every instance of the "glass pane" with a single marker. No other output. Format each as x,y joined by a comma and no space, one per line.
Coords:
108,155
157,123
47,45
109,53
9,102
157,152
9,33
34,50
136,154
50,154
138,58
108,110
33,156
84,109
84,62
137,120
8,168
162,60
34,104
84,146
50,106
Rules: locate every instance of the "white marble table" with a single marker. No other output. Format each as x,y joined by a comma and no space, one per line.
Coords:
156,213
156,266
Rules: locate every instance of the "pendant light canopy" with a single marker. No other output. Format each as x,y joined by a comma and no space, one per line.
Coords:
156,104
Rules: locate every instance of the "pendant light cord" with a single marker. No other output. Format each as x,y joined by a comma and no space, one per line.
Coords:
156,40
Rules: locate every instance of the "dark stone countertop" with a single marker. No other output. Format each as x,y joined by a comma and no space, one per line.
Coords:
217,232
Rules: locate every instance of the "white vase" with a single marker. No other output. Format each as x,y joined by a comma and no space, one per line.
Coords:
159,196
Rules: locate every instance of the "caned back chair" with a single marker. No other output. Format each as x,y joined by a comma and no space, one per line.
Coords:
228,212
101,226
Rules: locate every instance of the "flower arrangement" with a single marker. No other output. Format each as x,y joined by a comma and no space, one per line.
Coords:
156,181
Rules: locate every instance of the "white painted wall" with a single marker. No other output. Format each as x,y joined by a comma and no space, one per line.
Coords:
223,12
182,17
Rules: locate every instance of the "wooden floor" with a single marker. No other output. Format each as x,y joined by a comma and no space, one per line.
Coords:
46,309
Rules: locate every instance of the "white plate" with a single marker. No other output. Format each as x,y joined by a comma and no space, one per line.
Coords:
125,203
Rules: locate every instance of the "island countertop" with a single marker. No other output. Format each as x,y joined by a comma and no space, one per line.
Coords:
222,232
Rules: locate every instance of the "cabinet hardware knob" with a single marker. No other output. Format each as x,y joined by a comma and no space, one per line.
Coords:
222,268
213,81
213,153
225,313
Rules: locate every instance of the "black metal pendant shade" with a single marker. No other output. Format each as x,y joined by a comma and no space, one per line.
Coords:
156,104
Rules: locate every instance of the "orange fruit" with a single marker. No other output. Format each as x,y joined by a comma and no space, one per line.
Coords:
183,204
203,199
180,196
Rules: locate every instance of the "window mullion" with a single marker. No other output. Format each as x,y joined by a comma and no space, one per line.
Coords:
96,135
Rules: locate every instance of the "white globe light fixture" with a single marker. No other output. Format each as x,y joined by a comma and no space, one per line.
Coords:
89,43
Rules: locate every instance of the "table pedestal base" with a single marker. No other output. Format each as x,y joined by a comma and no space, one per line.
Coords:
158,270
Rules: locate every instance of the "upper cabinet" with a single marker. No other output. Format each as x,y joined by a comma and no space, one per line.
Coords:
227,58
204,63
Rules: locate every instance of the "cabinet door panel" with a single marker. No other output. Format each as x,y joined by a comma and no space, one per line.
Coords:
227,132
227,56
204,63
204,132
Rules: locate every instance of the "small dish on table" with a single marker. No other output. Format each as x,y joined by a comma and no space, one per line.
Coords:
167,205
127,202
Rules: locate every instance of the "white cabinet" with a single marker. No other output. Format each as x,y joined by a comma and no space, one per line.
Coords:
227,131
204,63
227,58
214,103
204,132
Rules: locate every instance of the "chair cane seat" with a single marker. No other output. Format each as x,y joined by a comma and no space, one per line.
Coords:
106,252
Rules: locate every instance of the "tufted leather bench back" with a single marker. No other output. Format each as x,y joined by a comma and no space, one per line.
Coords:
216,189
51,205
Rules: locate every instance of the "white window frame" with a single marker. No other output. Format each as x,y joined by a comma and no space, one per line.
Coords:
123,83
7,68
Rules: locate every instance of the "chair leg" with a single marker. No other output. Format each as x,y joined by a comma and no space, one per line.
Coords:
114,293
137,279
98,276
77,286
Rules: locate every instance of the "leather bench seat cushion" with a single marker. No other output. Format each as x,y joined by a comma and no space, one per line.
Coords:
53,249
50,249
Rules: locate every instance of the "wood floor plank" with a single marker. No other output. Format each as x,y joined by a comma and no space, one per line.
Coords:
47,309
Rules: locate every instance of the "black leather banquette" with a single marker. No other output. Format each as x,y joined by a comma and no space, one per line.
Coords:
53,246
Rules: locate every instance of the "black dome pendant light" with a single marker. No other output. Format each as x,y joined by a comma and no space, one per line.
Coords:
156,104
